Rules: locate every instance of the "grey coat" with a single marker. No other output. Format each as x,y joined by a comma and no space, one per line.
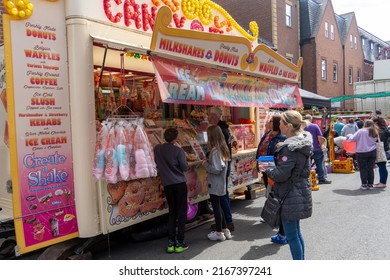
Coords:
293,169
216,173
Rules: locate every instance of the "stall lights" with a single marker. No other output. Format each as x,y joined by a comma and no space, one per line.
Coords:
20,9
138,56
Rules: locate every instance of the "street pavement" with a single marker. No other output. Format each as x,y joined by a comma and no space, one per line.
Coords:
347,224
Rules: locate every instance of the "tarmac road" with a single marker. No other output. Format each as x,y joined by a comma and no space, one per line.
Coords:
347,224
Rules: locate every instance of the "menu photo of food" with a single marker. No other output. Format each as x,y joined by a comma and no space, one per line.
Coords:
198,149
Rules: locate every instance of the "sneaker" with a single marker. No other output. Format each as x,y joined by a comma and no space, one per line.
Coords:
370,187
380,186
229,226
363,187
227,234
216,236
324,181
262,220
279,239
180,247
171,247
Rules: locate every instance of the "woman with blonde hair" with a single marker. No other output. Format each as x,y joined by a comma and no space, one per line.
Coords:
291,179
216,167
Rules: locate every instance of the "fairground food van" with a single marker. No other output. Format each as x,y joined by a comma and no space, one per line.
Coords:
90,86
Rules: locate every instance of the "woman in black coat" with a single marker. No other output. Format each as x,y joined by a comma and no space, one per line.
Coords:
291,178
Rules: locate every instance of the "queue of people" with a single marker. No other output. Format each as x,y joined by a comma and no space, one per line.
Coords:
295,143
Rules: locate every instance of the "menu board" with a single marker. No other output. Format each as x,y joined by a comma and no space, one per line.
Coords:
40,104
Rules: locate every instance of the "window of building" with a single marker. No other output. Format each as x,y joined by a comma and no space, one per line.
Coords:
355,42
358,75
332,31
351,41
323,69
350,74
288,15
335,72
326,30
363,42
371,45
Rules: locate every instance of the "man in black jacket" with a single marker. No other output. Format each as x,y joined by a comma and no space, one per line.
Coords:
214,118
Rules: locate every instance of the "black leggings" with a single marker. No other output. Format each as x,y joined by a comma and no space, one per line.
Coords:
219,217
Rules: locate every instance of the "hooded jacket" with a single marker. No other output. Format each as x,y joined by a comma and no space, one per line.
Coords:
292,170
216,173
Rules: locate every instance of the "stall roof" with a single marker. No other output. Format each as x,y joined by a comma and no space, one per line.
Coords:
313,99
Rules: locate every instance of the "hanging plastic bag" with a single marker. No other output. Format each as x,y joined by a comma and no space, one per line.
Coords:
100,147
122,150
111,159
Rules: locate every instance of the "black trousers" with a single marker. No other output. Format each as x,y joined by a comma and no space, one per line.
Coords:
219,216
176,196
366,162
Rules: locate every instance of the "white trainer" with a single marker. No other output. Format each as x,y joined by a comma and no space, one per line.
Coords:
227,234
215,236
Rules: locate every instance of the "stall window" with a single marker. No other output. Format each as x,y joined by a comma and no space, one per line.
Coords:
323,69
288,15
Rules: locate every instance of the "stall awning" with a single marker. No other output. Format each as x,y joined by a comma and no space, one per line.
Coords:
312,99
186,83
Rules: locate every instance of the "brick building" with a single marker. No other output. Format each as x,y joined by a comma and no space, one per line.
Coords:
278,22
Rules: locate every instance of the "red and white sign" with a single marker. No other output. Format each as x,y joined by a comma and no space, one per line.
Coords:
192,84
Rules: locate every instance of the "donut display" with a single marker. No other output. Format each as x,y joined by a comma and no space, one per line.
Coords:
116,191
130,204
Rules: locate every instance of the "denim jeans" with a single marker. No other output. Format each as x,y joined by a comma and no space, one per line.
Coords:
383,173
295,240
225,200
318,157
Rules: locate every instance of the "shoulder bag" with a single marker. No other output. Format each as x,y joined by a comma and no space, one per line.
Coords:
380,152
272,207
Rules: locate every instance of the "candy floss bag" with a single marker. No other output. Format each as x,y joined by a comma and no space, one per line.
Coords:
100,147
111,159
123,154
130,143
144,166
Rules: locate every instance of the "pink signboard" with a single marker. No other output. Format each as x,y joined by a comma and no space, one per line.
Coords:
42,126
193,84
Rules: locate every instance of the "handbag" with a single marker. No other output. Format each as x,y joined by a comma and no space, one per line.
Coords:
380,152
271,210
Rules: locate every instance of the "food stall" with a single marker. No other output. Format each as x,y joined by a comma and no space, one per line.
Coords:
90,89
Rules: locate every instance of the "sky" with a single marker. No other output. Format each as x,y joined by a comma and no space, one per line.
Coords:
371,15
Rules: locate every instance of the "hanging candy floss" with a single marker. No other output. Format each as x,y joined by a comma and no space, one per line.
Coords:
111,159
123,154
98,162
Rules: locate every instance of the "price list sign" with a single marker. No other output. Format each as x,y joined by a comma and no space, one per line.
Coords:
40,107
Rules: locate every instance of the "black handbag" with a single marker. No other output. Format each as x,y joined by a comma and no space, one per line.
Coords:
273,206
271,210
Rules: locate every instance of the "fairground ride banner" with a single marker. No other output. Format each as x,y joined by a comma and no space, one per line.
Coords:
187,83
